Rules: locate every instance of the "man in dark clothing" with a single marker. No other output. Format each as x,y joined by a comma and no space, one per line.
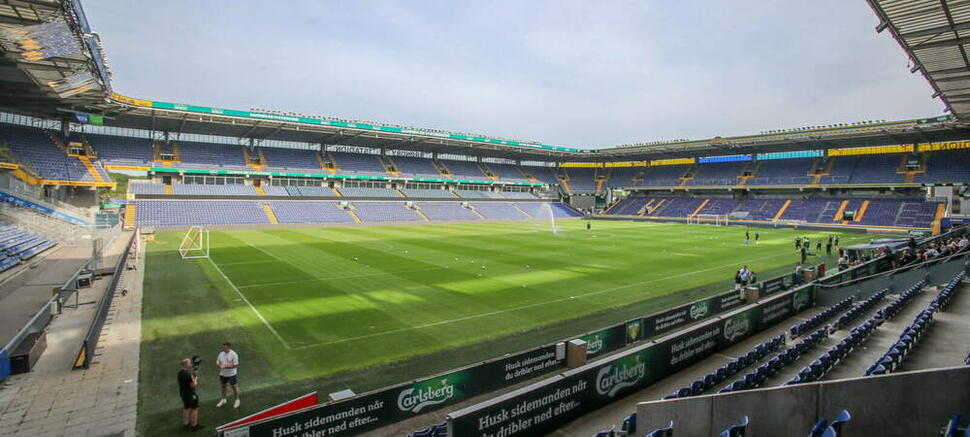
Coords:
188,381
798,243
818,246
836,242
587,226
804,253
757,237
828,247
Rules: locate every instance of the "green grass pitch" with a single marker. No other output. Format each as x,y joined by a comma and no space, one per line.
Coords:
366,306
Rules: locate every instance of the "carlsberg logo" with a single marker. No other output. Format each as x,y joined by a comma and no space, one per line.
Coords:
801,300
617,376
594,345
415,399
699,310
736,327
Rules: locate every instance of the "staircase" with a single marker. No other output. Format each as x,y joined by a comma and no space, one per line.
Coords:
323,165
168,190
388,164
130,215
88,150
782,209
58,141
93,171
487,171
699,208
565,186
270,215
840,211
350,211
260,191
417,210
653,208
862,211
520,210
472,208
442,170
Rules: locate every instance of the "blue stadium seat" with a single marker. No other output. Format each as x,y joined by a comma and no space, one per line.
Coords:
629,426
663,432
839,422
819,428
736,430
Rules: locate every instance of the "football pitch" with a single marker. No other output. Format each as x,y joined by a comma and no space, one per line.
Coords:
365,306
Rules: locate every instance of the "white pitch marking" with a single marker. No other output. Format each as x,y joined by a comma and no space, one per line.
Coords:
258,314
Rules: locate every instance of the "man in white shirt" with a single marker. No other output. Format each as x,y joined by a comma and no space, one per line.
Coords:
228,363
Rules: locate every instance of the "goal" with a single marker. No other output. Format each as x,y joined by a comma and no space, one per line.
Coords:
195,243
708,219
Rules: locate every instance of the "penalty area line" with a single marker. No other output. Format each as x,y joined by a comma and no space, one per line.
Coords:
241,295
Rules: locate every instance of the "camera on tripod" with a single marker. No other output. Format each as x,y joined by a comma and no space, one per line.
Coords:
196,362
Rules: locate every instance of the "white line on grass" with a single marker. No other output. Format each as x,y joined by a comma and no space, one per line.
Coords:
494,313
258,314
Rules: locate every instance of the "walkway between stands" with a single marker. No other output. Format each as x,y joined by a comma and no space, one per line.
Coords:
54,400
29,287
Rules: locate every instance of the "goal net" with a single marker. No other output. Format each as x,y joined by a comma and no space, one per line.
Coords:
708,219
195,243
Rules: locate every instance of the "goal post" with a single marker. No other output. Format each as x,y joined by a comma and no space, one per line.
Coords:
708,219
195,243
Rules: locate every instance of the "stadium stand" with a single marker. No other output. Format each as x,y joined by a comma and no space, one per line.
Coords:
309,212
121,150
35,149
385,212
208,155
507,172
782,172
353,163
465,170
537,209
213,190
291,159
198,212
416,167
367,192
428,193
275,190
500,211
518,195
581,180
477,194
446,211
720,173
905,213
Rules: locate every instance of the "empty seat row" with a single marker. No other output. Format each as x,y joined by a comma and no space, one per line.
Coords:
904,298
730,369
834,355
820,318
858,310
775,364
890,361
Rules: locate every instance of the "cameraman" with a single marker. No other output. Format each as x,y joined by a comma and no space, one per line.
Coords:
188,381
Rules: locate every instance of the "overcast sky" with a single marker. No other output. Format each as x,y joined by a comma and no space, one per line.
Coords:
571,73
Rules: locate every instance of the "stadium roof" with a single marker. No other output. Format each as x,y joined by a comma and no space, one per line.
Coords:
52,66
936,36
50,61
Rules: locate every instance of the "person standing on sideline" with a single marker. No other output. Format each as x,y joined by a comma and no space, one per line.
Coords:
587,226
228,362
747,236
818,246
828,247
836,241
188,381
798,243
804,254
757,237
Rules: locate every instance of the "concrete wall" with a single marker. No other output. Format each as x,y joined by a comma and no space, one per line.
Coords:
901,404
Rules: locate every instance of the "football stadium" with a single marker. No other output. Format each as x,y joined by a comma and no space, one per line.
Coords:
306,275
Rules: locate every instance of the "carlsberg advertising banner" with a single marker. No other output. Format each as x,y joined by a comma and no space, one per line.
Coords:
678,317
543,407
605,340
394,404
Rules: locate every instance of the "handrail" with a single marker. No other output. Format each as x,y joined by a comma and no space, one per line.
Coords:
94,331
